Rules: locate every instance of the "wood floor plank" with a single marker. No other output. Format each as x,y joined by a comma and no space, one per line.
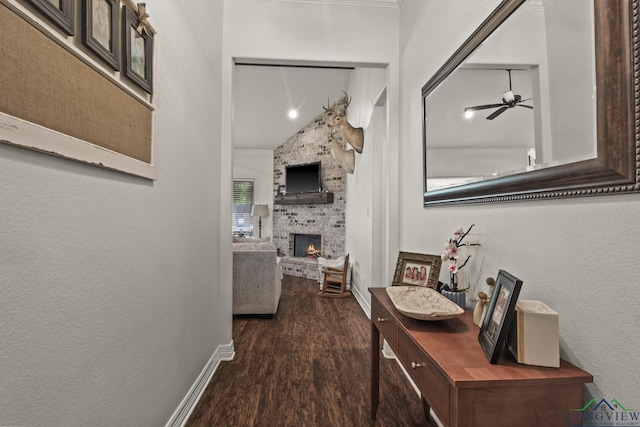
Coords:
308,366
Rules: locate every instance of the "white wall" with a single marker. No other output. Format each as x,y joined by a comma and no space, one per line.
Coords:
111,302
364,188
310,31
257,164
577,255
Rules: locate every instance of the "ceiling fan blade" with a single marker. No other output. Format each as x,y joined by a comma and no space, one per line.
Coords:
523,100
497,113
525,106
483,107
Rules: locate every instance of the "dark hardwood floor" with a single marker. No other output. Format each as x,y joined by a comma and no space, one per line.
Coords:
308,366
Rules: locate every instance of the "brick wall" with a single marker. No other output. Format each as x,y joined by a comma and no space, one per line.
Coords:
309,145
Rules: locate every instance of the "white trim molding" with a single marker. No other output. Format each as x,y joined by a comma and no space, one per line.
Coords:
181,415
21,133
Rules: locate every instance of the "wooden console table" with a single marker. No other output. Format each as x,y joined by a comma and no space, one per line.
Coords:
446,362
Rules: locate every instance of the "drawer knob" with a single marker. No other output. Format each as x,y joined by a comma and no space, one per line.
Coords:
415,365
380,320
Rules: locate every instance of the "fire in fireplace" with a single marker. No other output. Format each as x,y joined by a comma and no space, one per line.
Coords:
312,251
307,245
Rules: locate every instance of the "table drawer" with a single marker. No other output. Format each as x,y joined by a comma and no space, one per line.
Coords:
433,386
385,324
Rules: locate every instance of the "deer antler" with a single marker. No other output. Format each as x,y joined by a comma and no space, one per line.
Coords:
346,99
330,109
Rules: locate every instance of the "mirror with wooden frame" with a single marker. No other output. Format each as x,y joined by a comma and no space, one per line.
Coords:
609,167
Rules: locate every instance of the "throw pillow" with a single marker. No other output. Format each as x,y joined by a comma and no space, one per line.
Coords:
333,263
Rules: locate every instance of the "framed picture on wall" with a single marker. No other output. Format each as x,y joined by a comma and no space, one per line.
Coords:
60,12
101,29
138,49
499,315
414,269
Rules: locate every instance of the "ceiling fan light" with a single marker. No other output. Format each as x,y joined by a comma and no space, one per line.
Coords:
508,96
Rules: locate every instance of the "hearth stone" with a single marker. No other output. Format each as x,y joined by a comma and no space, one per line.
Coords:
300,267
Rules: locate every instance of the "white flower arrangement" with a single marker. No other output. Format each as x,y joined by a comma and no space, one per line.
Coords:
452,253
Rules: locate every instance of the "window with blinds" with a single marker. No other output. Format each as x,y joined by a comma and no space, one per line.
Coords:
242,204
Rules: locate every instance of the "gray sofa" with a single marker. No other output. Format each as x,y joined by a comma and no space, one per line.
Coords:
257,278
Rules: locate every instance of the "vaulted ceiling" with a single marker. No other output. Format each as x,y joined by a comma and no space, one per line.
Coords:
264,92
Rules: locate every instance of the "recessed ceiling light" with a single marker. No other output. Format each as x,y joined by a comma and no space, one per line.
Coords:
293,114
468,114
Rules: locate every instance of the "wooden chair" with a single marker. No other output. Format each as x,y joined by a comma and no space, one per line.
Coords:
334,283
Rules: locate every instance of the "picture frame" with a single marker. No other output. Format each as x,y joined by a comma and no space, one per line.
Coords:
138,52
101,30
500,313
414,269
60,12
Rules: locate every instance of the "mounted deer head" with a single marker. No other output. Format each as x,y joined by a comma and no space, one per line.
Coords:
345,158
354,136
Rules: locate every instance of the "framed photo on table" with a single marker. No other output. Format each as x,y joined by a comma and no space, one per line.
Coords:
101,29
60,12
500,312
138,50
413,269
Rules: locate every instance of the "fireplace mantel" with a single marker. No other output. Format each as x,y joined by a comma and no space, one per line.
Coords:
303,198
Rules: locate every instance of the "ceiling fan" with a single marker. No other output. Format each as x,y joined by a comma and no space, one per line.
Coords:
509,100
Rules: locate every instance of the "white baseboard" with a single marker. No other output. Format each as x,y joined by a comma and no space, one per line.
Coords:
387,353
355,291
181,415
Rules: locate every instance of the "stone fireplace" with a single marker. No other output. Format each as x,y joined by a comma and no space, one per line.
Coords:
325,218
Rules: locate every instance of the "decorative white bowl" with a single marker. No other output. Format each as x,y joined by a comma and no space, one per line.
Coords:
423,303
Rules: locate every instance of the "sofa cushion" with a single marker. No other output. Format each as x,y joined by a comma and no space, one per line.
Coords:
264,246
237,239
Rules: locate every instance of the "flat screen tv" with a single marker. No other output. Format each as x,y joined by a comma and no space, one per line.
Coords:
304,178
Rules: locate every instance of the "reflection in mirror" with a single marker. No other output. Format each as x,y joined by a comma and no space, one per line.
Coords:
563,115
528,92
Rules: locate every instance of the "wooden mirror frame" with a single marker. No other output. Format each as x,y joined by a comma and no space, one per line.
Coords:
615,170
